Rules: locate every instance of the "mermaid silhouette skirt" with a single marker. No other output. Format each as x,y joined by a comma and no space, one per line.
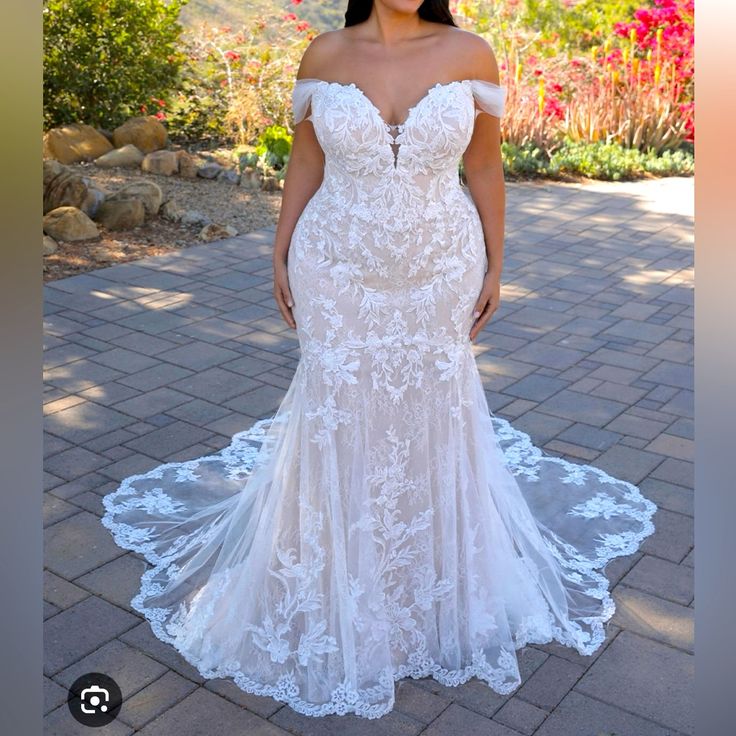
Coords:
383,523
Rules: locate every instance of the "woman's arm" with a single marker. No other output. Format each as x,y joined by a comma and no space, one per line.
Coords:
303,177
483,168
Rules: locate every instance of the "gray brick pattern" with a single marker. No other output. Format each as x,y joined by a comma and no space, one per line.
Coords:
591,353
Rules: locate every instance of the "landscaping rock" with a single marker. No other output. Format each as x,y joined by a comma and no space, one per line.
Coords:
95,197
69,224
49,245
147,191
64,188
172,211
229,175
75,142
251,178
187,165
270,184
213,231
193,217
164,163
127,155
209,171
61,187
122,213
145,132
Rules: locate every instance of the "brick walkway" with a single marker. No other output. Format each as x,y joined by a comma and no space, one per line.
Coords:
591,353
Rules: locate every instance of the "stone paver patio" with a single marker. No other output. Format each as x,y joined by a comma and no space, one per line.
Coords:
590,353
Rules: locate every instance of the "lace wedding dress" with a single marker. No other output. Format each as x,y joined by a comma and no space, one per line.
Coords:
383,523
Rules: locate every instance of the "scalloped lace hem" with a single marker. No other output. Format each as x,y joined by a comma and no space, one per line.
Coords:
522,456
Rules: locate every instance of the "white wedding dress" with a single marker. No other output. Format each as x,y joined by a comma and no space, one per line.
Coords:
383,523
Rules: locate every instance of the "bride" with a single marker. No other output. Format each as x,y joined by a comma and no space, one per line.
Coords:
383,523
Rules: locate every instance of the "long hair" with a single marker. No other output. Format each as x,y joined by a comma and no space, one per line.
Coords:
437,11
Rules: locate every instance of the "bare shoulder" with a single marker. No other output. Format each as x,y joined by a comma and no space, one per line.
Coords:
472,54
323,52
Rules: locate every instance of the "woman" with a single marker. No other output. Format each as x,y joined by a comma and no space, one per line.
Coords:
382,524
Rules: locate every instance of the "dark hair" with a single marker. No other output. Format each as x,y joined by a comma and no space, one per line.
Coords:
437,11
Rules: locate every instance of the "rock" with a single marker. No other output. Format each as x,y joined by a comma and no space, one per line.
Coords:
107,134
147,191
229,175
123,213
187,165
95,197
209,171
193,217
69,224
251,178
49,245
145,132
171,211
75,142
61,187
213,231
164,163
127,156
270,184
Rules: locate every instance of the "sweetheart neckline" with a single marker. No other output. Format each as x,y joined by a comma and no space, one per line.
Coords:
410,111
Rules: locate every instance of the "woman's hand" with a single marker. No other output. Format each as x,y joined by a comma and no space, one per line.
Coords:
487,304
282,293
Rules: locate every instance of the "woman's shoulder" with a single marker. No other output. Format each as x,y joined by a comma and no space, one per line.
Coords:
322,52
470,54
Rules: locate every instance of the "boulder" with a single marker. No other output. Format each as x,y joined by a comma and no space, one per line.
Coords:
127,156
147,191
187,165
95,197
194,217
229,175
270,184
69,224
49,245
171,211
164,163
145,132
209,171
123,213
75,142
213,231
251,178
61,187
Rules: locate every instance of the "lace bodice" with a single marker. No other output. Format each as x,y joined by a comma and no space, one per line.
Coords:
358,141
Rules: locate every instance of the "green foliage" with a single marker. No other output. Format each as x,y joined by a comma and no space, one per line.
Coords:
327,15
105,59
271,153
607,161
523,160
275,145
581,25
198,111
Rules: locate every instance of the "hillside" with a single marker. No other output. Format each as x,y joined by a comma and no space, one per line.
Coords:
324,15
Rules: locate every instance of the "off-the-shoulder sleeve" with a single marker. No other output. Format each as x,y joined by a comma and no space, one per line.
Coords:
490,97
301,96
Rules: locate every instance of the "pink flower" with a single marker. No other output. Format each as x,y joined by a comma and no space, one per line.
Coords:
302,25
232,55
289,16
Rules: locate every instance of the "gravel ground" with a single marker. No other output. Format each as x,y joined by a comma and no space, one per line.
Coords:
223,203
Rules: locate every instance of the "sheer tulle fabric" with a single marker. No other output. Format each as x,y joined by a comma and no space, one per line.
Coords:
383,523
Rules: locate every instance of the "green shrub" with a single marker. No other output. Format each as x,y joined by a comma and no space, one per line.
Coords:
104,60
275,145
607,161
